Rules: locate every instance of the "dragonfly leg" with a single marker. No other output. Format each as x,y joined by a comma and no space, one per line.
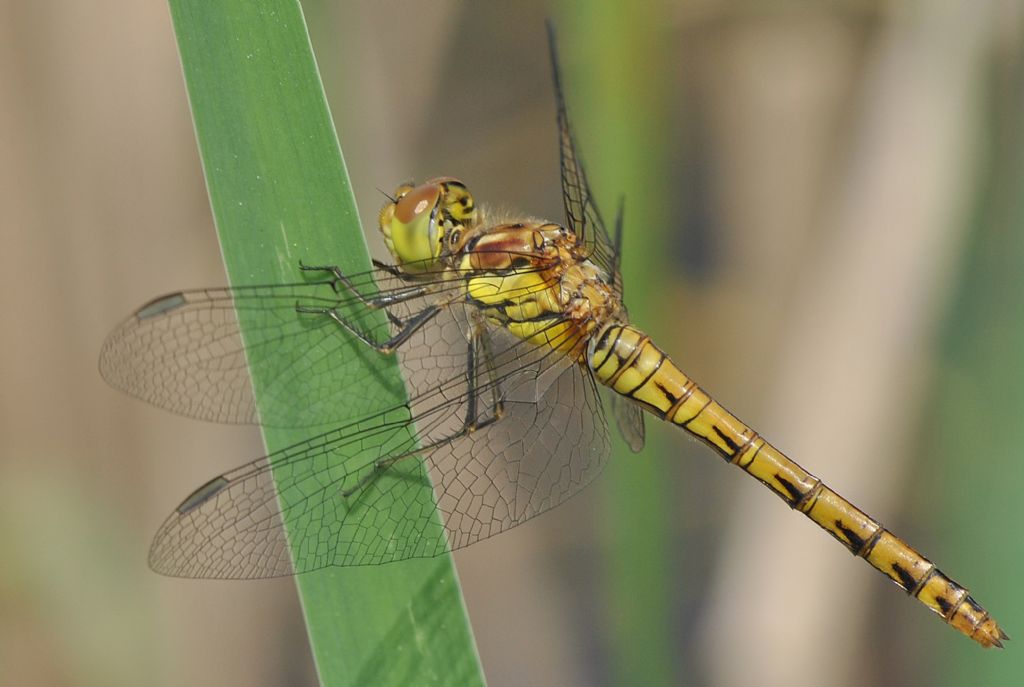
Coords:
380,301
472,422
384,464
379,468
406,328
393,270
479,345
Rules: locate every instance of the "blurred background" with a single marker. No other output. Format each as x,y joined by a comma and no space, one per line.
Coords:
824,226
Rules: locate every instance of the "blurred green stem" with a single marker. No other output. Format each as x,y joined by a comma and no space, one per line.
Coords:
622,139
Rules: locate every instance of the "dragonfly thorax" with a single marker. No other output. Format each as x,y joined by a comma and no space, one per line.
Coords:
530,278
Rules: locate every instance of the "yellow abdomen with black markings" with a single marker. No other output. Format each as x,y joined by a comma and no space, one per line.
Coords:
626,360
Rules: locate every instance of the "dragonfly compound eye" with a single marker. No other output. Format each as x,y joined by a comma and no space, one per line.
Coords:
411,227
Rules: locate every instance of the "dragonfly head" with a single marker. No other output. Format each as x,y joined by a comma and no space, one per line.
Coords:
423,223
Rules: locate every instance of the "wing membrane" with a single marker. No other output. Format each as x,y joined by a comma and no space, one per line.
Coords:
505,430
581,211
343,509
184,352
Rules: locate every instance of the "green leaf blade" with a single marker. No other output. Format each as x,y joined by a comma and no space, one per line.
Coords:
280,194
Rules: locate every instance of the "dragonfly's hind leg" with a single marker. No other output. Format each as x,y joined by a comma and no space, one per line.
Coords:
478,347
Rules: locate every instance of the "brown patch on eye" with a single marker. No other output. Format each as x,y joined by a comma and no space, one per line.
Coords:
416,201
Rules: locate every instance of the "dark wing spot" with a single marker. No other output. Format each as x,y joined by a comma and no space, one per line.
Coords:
161,305
203,494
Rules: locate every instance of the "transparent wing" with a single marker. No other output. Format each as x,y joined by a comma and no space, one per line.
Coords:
184,352
505,429
581,211
357,495
629,419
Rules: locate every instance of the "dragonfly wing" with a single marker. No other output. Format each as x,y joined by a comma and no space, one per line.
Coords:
185,353
234,526
629,418
359,494
581,212
545,448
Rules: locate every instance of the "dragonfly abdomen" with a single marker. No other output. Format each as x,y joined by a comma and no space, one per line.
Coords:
625,359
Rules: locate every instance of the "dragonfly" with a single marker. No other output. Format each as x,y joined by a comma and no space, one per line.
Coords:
516,349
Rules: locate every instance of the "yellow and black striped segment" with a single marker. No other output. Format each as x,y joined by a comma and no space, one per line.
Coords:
626,360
